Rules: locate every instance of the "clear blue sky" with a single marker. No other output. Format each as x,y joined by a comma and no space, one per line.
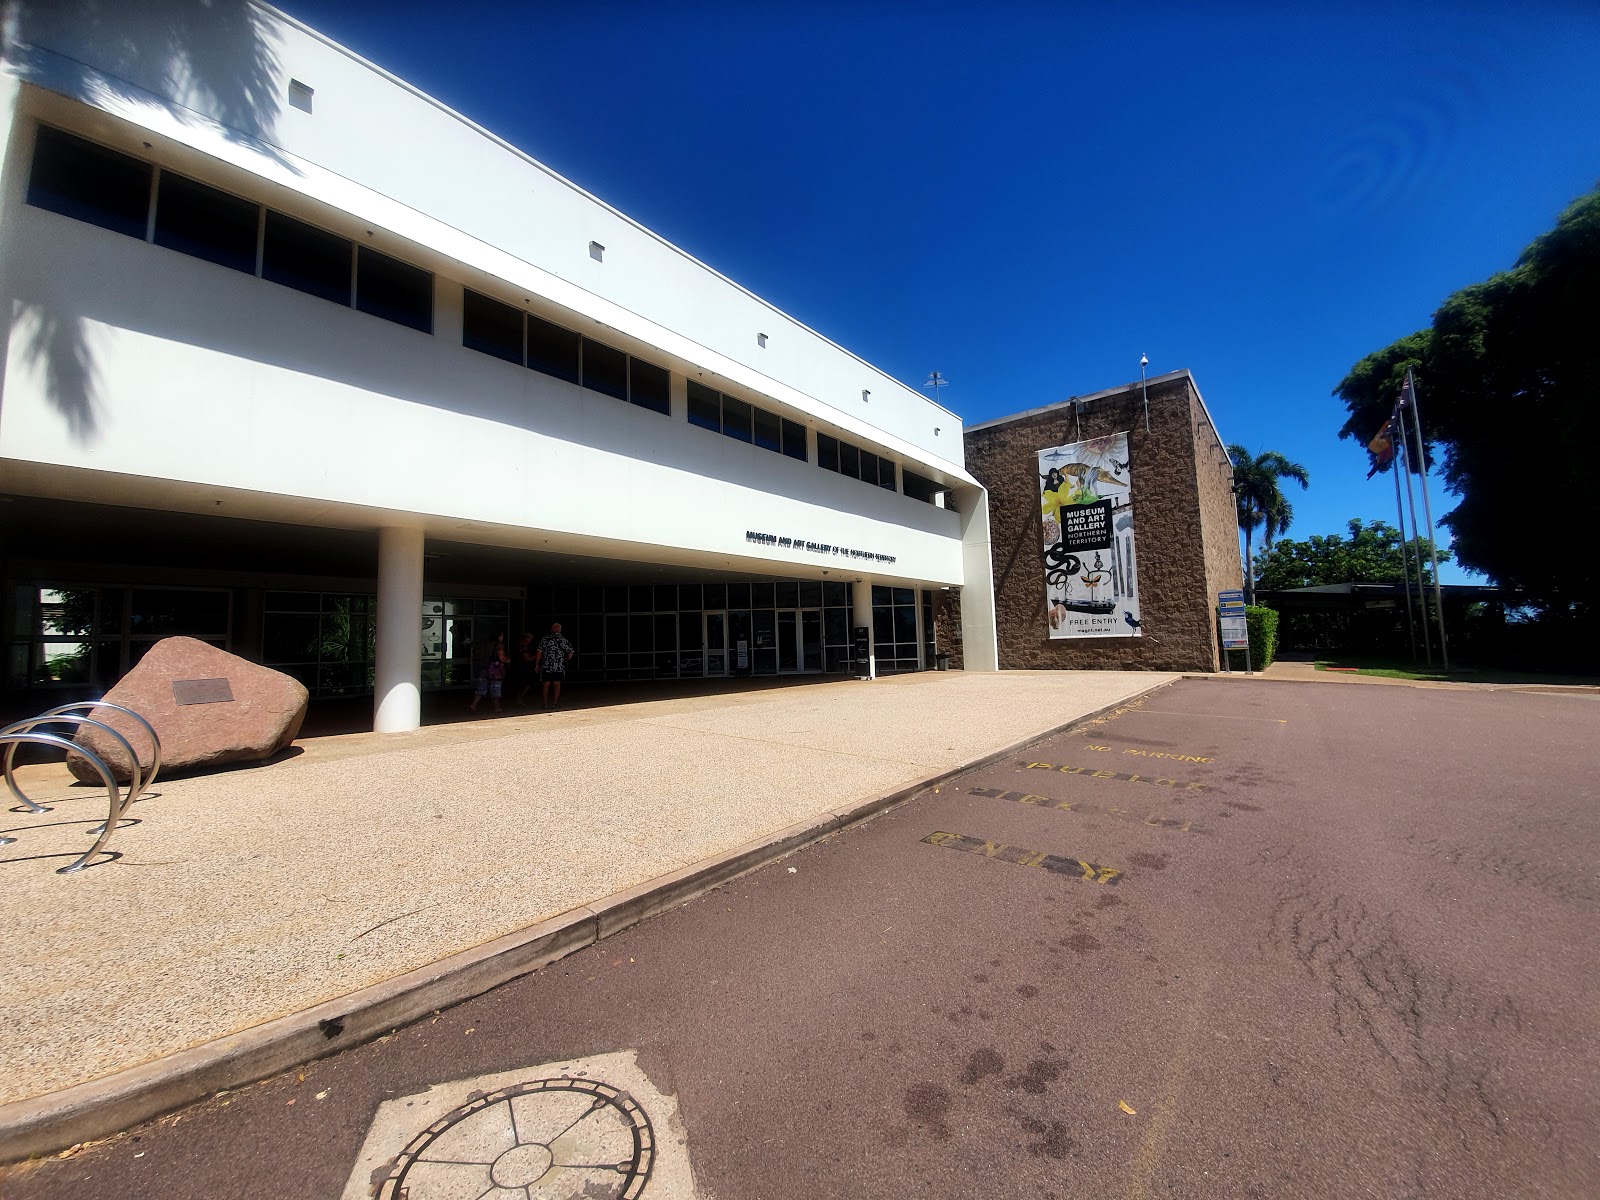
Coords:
1025,197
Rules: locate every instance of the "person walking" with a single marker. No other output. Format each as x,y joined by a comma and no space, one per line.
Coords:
551,660
492,679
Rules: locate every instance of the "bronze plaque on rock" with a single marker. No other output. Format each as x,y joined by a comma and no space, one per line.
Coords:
202,691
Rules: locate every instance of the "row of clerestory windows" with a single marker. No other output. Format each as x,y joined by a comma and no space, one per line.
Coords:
89,182
505,331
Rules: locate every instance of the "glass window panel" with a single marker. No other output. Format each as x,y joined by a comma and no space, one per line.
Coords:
565,599
768,430
108,662
794,440
65,662
849,460
194,614
736,419
290,637
827,452
689,597
87,182
705,407
881,594
109,619
306,258
918,487
835,660
834,595
394,290
666,598
649,385
738,595
868,472
605,370
764,627
293,601
883,624
641,598
836,626
716,596
788,595
616,634
810,595
592,599
192,218
886,474
905,596
591,632
691,634
616,599
553,350
761,595
666,632
491,327
641,634
905,625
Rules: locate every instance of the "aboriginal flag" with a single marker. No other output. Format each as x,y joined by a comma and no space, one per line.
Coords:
1382,448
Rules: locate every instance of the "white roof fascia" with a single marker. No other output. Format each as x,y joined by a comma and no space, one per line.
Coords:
275,165
279,14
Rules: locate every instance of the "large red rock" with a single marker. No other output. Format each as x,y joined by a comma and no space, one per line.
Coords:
261,718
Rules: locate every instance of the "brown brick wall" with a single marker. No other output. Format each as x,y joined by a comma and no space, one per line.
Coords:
1219,514
1180,543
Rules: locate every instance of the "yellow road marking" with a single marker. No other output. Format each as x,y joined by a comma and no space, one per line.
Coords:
1167,712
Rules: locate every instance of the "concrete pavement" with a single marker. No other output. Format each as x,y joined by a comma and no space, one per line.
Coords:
258,918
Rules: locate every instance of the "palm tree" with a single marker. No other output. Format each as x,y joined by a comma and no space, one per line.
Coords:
1261,501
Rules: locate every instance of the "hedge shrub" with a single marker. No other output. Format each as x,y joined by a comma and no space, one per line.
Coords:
1262,626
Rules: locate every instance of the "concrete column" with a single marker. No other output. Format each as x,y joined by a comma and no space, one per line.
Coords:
398,684
980,642
861,614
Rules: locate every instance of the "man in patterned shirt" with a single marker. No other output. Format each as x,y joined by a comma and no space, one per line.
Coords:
550,661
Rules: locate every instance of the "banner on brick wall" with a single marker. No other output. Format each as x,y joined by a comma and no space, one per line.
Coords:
1091,585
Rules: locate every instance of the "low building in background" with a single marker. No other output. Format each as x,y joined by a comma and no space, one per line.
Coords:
1113,528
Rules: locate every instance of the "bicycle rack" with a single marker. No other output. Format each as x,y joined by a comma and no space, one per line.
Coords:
24,733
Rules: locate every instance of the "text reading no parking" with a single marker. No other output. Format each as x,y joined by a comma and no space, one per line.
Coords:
1092,773
1079,806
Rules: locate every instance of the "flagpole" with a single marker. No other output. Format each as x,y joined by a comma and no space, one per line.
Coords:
1411,503
1405,559
1427,509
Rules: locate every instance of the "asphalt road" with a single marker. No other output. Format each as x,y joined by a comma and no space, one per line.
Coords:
1238,940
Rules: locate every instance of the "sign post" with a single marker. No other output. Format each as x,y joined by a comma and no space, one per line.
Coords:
1235,628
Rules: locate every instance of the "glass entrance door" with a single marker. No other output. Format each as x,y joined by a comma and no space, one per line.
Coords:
716,644
810,639
788,641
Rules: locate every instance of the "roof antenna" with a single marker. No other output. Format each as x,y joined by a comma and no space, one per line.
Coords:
936,380
1144,392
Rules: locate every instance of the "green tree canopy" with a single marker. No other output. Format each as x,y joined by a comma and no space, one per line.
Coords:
1259,497
1509,382
1370,554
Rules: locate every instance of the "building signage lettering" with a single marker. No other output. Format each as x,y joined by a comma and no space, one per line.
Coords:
794,543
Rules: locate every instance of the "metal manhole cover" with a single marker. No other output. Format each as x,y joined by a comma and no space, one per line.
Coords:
547,1139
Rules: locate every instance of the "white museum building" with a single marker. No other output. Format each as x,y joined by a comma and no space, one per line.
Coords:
305,364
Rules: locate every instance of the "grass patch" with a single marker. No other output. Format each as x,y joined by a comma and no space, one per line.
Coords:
1390,669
